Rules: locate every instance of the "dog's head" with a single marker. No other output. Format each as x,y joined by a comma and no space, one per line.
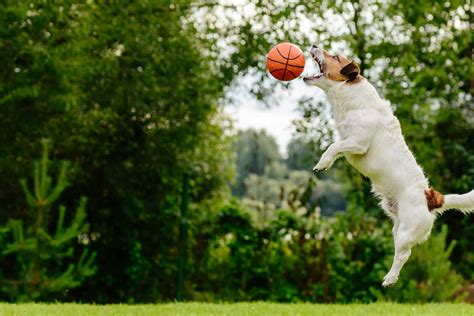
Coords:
333,70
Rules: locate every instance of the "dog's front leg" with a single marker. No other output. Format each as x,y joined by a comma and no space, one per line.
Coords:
357,130
336,150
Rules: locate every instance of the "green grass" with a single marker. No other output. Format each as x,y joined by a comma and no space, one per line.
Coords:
247,309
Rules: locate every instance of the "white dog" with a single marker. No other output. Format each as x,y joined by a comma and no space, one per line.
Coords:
372,142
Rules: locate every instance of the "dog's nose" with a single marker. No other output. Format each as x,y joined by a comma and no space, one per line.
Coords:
314,46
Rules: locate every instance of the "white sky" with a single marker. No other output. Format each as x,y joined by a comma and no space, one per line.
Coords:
276,120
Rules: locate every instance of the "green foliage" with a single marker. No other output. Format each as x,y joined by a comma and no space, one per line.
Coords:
301,155
358,244
43,251
255,151
267,193
306,257
130,97
268,182
247,262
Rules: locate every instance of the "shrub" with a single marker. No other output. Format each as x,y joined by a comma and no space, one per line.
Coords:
311,258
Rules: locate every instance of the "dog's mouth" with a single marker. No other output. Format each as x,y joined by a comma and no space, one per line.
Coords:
321,67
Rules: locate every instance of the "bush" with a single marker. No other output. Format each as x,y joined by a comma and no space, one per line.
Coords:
356,251
312,258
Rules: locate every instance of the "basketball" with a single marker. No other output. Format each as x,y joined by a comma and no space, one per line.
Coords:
285,61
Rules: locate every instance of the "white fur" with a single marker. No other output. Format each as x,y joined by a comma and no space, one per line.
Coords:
372,142
461,202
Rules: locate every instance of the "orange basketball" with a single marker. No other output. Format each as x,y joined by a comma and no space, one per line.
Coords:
285,61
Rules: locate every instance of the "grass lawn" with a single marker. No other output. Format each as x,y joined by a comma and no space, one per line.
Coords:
247,309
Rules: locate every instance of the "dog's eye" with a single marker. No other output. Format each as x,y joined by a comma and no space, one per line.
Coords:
336,57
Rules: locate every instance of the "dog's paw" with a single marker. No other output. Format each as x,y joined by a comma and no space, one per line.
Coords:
389,279
317,168
322,165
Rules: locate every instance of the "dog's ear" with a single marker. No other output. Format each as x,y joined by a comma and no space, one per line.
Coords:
351,71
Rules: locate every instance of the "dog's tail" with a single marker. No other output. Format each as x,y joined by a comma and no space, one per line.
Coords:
439,203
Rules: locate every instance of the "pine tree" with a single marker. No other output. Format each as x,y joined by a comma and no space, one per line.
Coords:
42,252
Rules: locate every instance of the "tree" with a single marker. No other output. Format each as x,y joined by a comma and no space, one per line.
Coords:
129,97
43,251
255,151
301,156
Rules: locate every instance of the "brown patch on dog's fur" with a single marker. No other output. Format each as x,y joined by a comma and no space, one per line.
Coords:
339,68
434,198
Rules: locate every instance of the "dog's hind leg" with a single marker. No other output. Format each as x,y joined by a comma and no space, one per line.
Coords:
415,223
396,226
403,244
